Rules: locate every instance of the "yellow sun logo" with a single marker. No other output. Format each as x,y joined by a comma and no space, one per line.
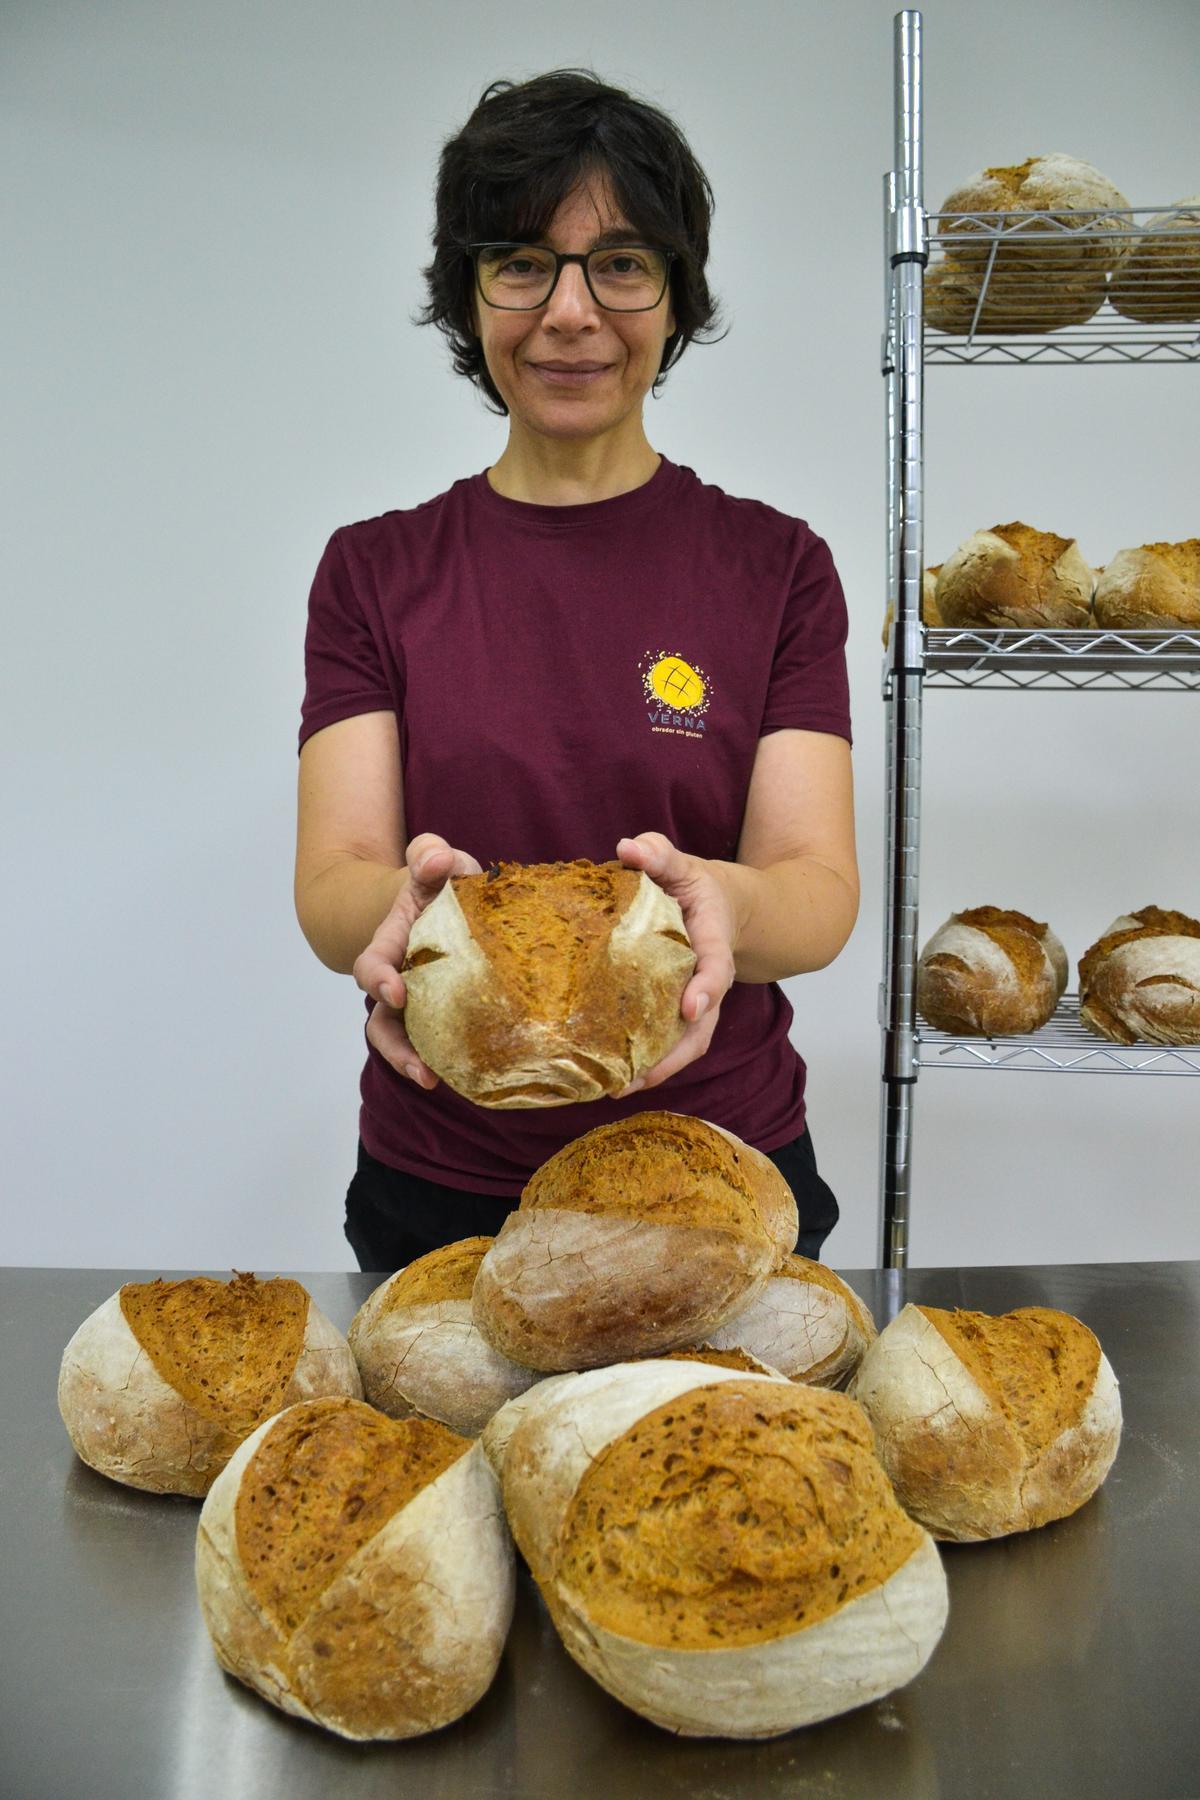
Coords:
677,684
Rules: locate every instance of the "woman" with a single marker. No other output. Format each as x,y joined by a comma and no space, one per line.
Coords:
582,651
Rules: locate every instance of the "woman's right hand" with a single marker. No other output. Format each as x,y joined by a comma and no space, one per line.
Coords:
431,861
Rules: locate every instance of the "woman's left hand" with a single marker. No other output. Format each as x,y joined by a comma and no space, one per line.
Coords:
709,920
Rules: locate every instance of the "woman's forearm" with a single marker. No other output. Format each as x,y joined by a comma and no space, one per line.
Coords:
341,909
790,918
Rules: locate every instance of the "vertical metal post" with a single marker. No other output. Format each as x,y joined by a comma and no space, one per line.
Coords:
904,372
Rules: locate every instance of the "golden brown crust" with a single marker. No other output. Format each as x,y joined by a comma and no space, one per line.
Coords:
1151,587
990,971
731,1516
1037,1365
447,1273
1013,575
721,1359
227,1348
805,1268
323,1481
1153,921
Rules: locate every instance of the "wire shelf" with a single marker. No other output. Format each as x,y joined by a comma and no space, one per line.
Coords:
1051,661
1120,286
1063,1044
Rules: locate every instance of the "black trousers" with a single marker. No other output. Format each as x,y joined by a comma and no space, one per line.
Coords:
392,1217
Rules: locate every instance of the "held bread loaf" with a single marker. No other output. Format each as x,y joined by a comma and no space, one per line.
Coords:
1014,576
356,1571
1159,281
162,1382
806,1322
1150,588
1063,244
640,1236
722,1552
418,1350
1140,982
543,983
990,1425
989,972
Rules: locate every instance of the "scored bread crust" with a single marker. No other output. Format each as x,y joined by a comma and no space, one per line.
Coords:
1159,281
434,1587
806,1322
1150,588
1140,981
954,1451
863,1649
429,1357
1055,184
470,1020
126,1422
1016,576
990,972
642,1235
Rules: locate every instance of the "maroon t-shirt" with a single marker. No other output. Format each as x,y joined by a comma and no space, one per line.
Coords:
564,676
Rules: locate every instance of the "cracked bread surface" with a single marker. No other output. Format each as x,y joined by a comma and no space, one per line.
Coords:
1036,1364
447,1273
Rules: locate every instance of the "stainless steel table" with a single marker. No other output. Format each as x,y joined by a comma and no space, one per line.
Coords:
1070,1664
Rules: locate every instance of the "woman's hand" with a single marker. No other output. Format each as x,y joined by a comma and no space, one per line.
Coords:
708,917
431,862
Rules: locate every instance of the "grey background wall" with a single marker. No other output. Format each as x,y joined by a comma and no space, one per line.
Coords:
215,219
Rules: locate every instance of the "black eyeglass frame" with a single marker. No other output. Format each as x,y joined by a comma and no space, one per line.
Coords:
569,256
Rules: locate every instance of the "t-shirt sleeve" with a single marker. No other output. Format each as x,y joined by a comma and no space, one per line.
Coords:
344,673
809,689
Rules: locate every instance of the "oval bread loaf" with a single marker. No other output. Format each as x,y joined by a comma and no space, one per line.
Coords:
544,983
1058,186
1150,588
1015,301
419,1351
1014,576
805,1322
722,1552
1140,982
990,1425
640,1236
1159,281
356,1571
162,1382
989,972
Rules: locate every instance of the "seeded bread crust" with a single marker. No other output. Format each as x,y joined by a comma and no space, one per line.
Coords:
541,984
990,972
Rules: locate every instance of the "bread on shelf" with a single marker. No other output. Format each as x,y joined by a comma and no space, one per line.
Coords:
1150,588
1057,185
1140,981
929,611
1159,281
1016,300
990,972
1015,576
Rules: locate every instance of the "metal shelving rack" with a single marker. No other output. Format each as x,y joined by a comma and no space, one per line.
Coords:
998,293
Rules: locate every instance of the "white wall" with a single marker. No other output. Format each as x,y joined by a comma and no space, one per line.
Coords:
215,219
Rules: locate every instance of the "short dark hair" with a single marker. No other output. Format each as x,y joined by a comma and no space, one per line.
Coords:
523,150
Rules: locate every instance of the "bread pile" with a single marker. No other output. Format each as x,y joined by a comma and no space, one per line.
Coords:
357,1571
544,983
1140,982
990,1425
1036,283
988,972
160,1384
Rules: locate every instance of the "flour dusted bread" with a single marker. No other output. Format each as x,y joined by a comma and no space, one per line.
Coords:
1140,982
543,983
1014,301
806,1323
1150,588
640,1236
990,972
1066,244
1015,576
989,1425
721,1551
162,1382
356,1570
1159,281
419,1351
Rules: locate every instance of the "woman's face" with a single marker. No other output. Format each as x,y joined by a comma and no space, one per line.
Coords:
612,357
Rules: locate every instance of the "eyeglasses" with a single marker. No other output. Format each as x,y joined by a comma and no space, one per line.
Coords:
522,277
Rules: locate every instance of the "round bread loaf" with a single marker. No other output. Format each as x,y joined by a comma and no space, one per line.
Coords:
1016,576
989,972
1058,186
539,984
1159,281
640,1236
990,1425
722,1552
419,1351
1150,588
1140,982
805,1322
356,1570
160,1384
1017,300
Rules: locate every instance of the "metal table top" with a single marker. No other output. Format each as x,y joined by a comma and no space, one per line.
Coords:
1070,1664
